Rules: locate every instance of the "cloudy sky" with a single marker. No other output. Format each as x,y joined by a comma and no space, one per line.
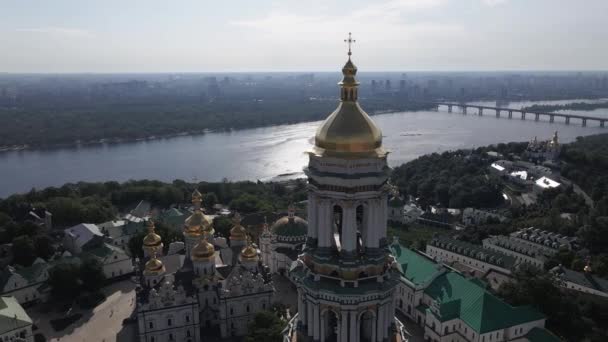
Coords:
284,35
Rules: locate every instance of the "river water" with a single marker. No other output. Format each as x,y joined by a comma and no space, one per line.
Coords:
266,153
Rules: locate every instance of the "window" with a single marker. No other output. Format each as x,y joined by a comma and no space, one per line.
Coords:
151,325
169,322
231,311
170,337
187,319
248,308
152,339
188,333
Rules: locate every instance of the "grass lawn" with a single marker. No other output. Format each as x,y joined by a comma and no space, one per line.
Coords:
414,232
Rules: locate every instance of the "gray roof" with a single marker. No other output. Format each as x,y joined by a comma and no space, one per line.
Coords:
83,233
12,315
473,251
582,278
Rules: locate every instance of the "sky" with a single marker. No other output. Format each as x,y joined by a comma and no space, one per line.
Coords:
110,36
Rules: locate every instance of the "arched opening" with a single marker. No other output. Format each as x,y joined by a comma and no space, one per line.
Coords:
360,219
330,324
338,219
366,328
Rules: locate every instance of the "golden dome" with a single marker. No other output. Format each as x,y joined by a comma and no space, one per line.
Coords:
203,250
249,252
196,223
349,130
154,267
238,232
151,239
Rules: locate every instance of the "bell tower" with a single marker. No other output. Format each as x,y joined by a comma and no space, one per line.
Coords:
346,277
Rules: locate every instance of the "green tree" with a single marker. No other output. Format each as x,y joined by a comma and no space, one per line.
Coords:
91,274
265,327
64,281
222,225
44,247
209,200
24,252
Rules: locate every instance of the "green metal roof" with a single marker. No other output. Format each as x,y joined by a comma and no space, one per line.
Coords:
415,267
12,315
483,312
292,227
541,335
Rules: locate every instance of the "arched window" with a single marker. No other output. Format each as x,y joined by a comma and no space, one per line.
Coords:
337,215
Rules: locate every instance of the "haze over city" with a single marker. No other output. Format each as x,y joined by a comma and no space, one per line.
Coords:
203,36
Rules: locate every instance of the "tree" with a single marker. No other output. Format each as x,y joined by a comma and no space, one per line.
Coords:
91,274
44,247
64,281
24,252
209,200
265,327
222,225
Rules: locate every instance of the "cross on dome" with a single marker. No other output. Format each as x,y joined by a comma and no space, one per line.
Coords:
349,41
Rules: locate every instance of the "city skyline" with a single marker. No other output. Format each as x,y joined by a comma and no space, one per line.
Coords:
392,35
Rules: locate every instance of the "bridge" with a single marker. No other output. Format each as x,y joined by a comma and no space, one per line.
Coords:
523,114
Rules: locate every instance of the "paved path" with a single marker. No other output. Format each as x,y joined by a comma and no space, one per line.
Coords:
102,324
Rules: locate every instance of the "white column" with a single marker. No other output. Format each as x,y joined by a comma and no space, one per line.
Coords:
344,327
349,227
309,318
374,325
312,216
354,334
323,326
316,322
324,223
379,335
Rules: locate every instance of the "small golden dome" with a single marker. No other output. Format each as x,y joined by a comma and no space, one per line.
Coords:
238,232
349,130
154,267
196,223
203,250
151,239
249,252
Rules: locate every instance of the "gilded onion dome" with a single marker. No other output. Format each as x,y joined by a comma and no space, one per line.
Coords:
151,240
203,250
197,223
249,252
154,266
197,198
238,232
349,130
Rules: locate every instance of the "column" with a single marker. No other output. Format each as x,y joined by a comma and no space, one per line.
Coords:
584,122
313,231
374,327
551,118
344,327
498,113
380,319
323,327
309,318
300,306
536,117
354,333
567,120
349,227
324,225
316,321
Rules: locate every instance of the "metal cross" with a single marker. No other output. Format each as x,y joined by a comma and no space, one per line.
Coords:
350,40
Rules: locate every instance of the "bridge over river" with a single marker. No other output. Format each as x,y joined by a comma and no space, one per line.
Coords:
523,114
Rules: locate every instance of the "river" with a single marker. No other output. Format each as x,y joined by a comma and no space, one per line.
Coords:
265,153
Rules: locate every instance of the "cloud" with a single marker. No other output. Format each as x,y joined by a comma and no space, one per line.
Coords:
56,31
493,2
383,20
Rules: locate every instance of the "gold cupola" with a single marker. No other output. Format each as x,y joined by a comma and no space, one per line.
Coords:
154,266
203,251
349,131
197,223
249,252
238,232
152,242
197,198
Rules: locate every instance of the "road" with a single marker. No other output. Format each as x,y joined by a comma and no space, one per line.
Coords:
102,324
